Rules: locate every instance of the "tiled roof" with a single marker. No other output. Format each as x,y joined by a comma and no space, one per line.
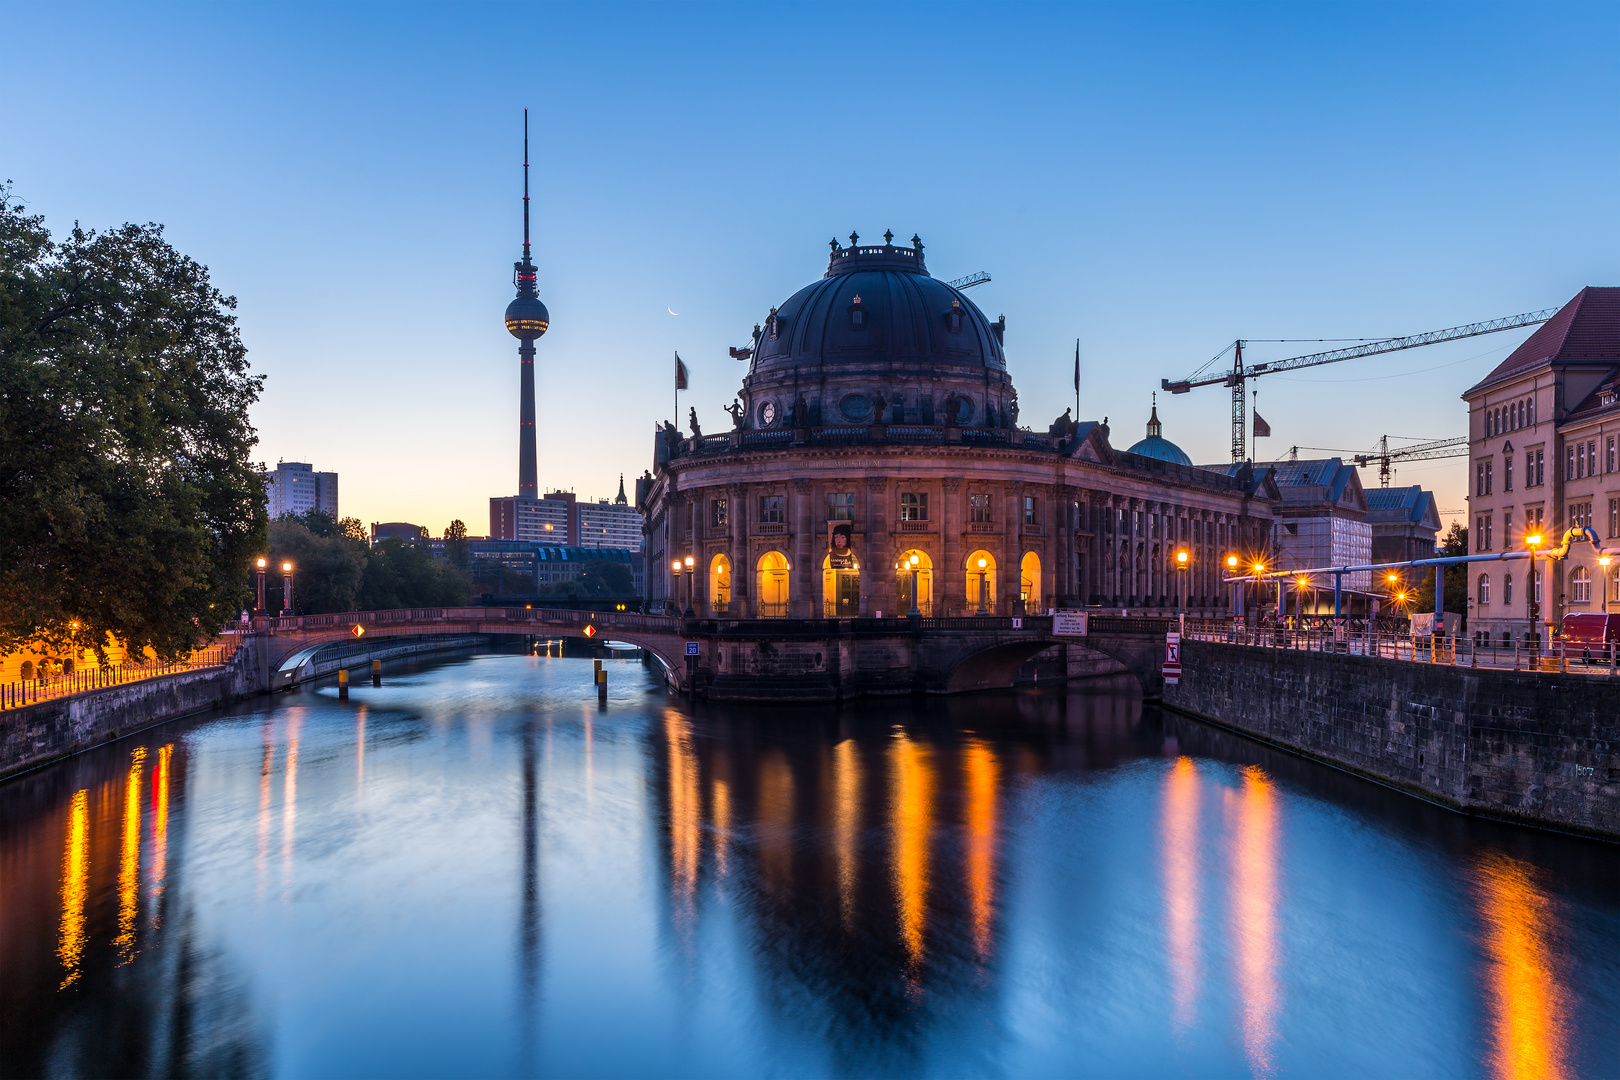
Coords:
1585,330
1394,504
1607,390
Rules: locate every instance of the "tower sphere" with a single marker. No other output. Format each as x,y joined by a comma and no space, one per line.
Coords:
527,318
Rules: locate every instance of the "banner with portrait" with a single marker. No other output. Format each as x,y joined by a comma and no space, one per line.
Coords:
840,554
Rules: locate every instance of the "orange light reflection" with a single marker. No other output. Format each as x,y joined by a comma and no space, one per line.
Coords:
1527,1003
911,798
1179,859
847,825
776,822
266,766
983,774
129,863
160,833
289,804
721,797
1254,909
75,878
685,812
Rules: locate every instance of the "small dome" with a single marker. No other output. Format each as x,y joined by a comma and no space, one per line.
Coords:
1156,446
527,318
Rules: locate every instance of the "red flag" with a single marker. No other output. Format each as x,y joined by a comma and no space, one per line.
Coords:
1262,430
680,373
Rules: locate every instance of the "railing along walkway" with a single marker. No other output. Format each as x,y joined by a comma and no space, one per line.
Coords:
1457,651
16,694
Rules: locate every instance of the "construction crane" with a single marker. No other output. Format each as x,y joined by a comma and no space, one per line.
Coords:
971,280
1423,451
1439,448
1238,377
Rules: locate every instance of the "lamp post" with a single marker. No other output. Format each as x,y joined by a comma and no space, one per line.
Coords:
1237,587
1603,580
691,563
1259,598
1532,542
915,612
286,589
983,563
261,562
675,584
1183,563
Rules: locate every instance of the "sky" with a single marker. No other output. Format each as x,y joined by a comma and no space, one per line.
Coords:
1153,180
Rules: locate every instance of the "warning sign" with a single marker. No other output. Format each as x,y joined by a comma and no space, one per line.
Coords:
1069,623
1172,658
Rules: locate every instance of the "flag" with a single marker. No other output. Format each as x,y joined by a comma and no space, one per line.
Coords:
680,373
1077,365
1262,430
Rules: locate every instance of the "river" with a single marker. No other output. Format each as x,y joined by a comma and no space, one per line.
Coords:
475,870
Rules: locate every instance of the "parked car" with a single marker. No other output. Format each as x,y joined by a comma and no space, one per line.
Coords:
1595,635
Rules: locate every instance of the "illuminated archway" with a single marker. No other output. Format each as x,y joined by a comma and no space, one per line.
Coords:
772,585
720,585
903,567
840,589
981,568
1029,584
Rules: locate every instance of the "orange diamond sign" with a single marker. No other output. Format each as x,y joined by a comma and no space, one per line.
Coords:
590,631
358,630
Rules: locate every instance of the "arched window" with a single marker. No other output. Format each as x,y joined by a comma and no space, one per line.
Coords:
772,587
720,585
1029,584
840,587
1484,593
917,561
1580,586
981,583
1507,588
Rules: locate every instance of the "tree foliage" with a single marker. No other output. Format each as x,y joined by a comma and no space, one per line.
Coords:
598,579
334,570
1455,542
455,543
131,509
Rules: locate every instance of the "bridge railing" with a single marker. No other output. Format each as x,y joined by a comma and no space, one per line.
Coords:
624,620
1456,651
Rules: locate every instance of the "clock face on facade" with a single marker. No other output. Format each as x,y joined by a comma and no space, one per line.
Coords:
767,413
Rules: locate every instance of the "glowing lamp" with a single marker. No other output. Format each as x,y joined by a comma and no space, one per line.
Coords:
286,568
1231,562
676,566
983,563
913,560
1533,541
261,563
689,562
1181,557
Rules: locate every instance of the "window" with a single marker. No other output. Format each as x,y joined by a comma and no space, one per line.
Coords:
914,506
717,514
1479,479
857,315
1489,469
1580,586
841,506
1537,598
1484,588
1488,546
1569,463
1614,518
1507,530
1541,474
1479,533
1507,589
979,509
1032,510
1608,460
772,509
1507,474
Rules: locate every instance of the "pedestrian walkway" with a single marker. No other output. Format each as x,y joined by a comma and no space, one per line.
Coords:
20,692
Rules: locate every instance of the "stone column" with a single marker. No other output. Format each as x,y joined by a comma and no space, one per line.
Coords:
741,572
805,602
877,560
1009,574
950,586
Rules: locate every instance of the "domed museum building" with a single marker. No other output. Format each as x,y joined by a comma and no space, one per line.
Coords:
877,441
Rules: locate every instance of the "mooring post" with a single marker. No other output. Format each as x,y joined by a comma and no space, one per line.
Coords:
376,673
343,684
601,683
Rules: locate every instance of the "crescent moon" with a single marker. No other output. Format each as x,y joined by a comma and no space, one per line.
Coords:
671,310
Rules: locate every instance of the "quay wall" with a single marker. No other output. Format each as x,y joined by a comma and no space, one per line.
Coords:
1539,748
36,735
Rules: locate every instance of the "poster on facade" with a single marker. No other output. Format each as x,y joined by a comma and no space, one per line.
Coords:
839,535
1069,623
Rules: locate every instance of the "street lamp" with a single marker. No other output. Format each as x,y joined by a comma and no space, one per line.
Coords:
1532,542
690,583
1183,563
261,562
982,564
915,611
675,584
1603,575
286,589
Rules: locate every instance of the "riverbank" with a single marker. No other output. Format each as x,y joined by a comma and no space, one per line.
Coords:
1540,749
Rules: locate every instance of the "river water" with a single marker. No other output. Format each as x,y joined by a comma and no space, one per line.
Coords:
476,871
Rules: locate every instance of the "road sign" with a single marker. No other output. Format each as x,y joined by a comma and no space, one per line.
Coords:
358,630
589,631
1018,624
1069,623
691,648
1172,658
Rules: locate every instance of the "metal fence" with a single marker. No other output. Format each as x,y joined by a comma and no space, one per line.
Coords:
20,692
1458,651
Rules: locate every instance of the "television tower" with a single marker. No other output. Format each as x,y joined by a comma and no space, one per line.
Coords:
526,319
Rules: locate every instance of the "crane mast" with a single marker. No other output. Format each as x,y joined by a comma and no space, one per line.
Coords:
1238,377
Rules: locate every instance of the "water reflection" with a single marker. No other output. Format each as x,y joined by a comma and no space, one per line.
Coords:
1528,1003
1022,884
1179,848
1254,910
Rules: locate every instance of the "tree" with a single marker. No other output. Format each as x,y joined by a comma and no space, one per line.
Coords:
401,574
131,510
598,579
1454,543
327,569
455,543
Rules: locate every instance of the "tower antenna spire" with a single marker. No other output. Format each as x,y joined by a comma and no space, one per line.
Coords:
525,184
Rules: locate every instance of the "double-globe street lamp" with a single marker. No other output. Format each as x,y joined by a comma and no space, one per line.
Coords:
676,566
286,589
261,563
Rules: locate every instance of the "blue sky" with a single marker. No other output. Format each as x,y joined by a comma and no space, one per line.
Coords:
1154,180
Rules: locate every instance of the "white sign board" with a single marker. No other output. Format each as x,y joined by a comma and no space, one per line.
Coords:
1018,624
1069,623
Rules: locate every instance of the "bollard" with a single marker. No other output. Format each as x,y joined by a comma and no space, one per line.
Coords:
601,684
343,684
1563,660
376,673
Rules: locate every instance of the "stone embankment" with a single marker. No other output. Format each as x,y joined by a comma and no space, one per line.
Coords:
1539,748
38,734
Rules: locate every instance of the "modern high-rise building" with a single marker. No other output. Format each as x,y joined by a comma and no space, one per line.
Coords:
550,520
295,488
615,524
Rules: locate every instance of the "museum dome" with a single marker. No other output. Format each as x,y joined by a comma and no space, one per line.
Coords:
876,308
1156,445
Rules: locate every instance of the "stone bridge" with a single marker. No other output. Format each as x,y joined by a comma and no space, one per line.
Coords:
762,659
